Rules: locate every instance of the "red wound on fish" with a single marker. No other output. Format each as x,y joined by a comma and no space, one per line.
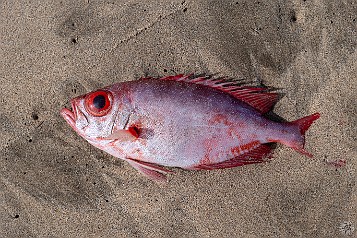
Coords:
134,131
257,97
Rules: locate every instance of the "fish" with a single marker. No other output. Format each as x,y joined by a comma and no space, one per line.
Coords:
193,122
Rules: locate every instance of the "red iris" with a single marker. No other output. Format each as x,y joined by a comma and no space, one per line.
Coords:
98,103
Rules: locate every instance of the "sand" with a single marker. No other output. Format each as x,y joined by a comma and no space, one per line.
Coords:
54,184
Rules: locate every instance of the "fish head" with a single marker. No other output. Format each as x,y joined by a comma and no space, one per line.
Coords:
93,115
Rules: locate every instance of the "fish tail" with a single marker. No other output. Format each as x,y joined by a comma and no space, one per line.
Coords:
303,125
305,122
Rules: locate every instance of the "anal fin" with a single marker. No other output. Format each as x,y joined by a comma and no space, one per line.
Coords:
257,155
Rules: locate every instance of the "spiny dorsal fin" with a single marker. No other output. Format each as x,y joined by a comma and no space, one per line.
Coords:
257,97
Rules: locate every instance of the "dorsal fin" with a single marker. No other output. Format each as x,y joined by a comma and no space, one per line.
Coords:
258,97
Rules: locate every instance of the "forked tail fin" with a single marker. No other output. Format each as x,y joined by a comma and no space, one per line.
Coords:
304,124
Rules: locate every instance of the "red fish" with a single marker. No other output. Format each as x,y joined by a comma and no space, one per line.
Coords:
183,121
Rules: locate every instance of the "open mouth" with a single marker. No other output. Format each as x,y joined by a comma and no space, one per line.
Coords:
70,116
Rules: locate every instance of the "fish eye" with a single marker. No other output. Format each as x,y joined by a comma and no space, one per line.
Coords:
98,103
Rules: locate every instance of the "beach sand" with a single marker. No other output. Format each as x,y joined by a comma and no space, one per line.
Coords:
55,184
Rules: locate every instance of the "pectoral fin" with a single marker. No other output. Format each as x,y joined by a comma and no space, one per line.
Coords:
123,135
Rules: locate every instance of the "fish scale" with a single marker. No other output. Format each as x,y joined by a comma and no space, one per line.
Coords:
184,121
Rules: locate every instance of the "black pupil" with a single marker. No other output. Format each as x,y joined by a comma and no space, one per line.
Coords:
99,101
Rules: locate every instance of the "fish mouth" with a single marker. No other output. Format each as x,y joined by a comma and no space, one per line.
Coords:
70,116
